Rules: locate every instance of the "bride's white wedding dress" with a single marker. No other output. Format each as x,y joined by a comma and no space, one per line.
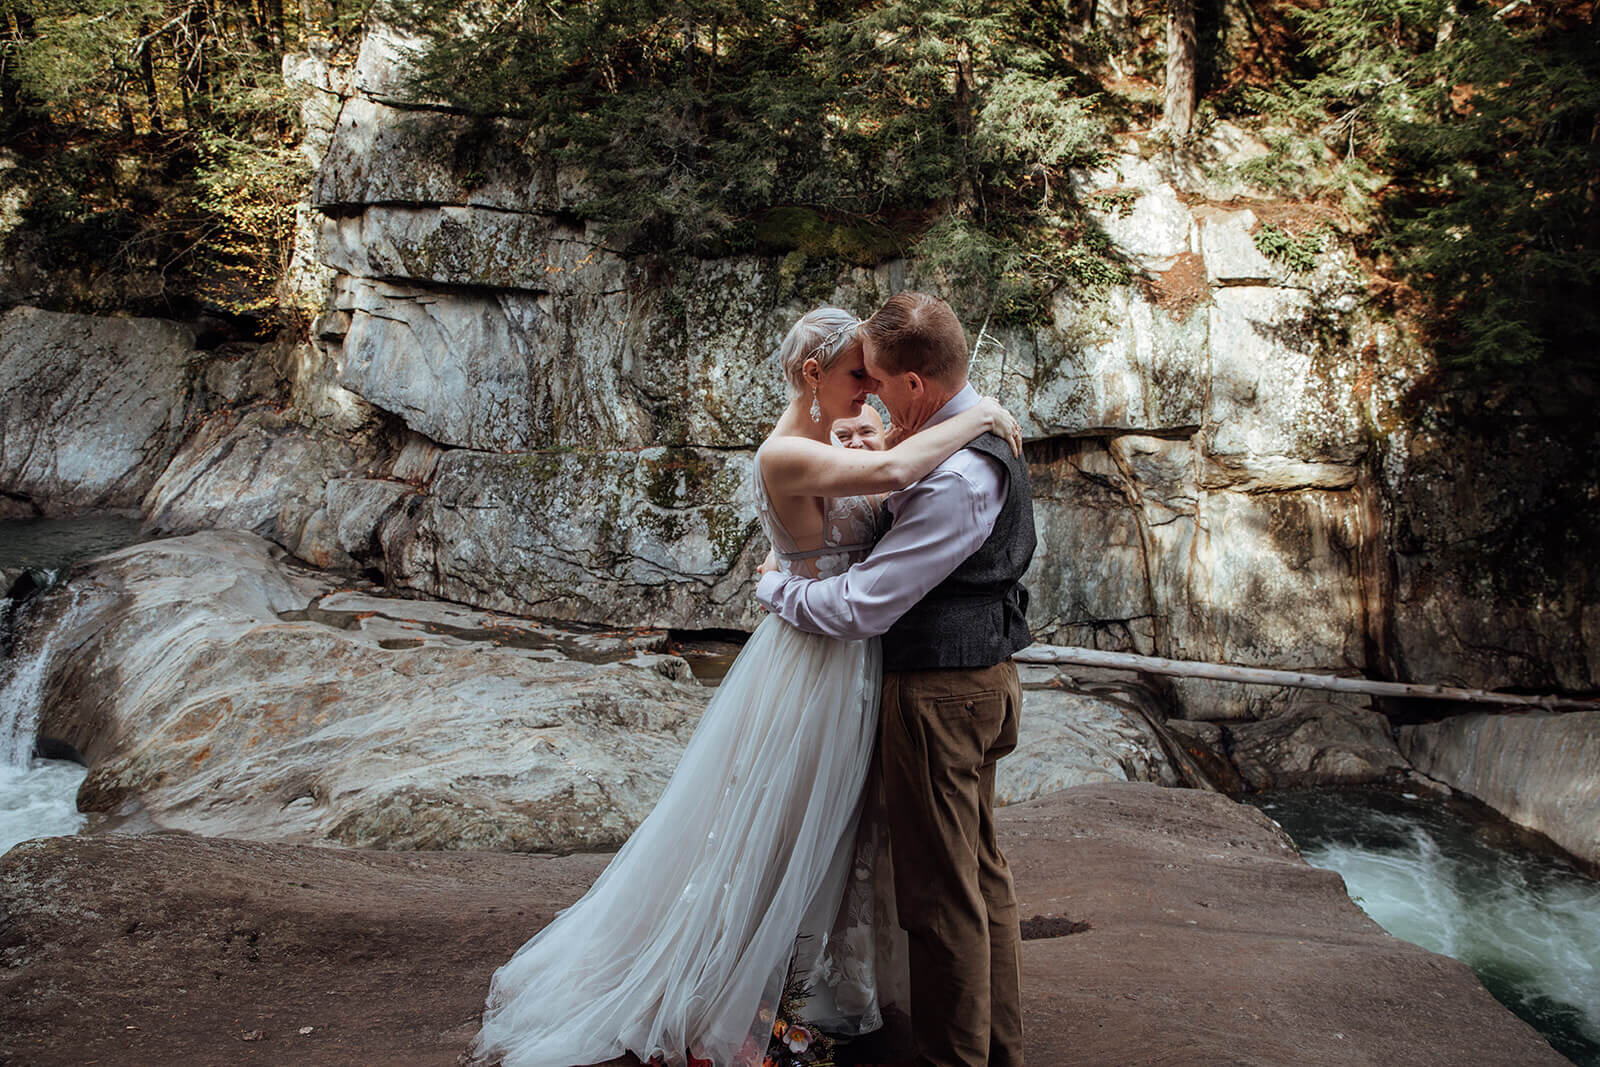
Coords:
750,859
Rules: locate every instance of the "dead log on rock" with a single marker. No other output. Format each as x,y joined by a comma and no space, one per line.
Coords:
1228,672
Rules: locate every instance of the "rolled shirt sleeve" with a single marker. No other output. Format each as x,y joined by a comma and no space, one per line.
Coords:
938,522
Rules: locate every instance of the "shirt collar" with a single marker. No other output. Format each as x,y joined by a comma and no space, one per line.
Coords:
966,398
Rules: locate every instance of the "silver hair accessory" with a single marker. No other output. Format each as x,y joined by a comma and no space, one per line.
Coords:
816,406
826,347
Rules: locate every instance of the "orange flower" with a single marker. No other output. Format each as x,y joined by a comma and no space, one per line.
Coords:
779,1027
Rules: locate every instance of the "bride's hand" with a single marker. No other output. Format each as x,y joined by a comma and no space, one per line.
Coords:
1002,423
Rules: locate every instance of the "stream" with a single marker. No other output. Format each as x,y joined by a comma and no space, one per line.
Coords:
1459,880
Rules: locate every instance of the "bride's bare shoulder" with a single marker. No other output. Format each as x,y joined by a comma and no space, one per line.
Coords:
786,453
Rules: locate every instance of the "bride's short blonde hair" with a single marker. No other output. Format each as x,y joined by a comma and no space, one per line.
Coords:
823,335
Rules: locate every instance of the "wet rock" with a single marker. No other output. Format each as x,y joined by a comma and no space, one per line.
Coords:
1205,743
1539,770
1208,941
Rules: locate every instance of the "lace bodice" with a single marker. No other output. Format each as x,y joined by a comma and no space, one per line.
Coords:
849,530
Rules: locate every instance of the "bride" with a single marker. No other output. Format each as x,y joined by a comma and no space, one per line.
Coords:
681,947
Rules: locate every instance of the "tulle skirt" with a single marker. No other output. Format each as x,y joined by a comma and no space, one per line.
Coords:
684,941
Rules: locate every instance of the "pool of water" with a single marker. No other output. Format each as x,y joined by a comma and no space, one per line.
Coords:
50,544
1456,879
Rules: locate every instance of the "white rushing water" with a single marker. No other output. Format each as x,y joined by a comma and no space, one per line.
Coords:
38,797
21,693
39,800
1459,884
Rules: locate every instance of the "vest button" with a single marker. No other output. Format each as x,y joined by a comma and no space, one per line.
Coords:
971,706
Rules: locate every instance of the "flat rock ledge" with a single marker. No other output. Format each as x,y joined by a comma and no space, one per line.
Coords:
1209,942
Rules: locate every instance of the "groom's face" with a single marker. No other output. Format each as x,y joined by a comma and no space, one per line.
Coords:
892,388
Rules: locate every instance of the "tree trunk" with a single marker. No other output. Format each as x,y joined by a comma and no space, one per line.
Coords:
1228,672
147,76
195,59
16,28
125,115
1177,112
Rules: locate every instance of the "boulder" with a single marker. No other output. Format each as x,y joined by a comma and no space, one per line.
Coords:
1538,769
214,688
1080,731
91,409
1208,941
260,471
1314,744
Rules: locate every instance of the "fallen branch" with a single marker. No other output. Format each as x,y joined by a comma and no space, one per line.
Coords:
1227,672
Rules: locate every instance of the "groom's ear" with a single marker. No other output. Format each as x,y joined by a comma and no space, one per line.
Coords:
915,384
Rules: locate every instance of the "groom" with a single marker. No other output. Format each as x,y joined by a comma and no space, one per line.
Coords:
943,588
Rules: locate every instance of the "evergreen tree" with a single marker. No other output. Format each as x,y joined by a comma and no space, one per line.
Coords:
848,131
1480,124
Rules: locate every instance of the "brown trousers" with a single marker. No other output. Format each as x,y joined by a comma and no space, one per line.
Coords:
942,731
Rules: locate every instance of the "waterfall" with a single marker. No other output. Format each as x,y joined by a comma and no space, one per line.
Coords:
37,797
21,692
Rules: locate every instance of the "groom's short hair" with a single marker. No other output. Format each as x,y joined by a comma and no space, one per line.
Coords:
917,332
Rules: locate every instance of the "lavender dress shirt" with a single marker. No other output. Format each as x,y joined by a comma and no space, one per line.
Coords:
938,522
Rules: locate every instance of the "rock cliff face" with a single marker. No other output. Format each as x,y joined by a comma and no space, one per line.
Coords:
1200,450
78,432
1539,770
1233,461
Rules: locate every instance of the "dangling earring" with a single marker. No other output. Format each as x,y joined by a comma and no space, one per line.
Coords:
816,406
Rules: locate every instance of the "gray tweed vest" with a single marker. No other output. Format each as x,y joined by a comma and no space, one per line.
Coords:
975,617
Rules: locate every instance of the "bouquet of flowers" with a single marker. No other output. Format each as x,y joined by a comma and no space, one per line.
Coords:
793,1043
